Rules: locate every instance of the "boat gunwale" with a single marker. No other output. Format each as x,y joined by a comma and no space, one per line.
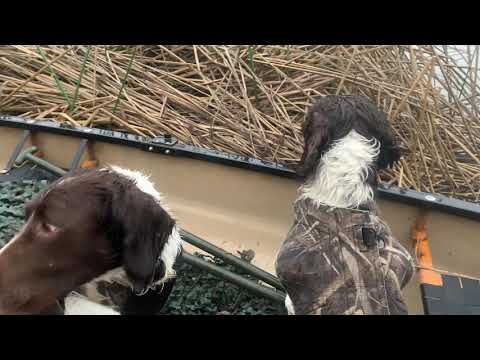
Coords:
164,145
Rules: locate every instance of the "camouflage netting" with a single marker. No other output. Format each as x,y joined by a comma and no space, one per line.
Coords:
197,292
251,100
13,196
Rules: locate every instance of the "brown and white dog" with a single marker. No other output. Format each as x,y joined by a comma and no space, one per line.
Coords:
340,256
107,225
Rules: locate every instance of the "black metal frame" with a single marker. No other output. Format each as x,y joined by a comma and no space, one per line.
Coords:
18,149
457,296
168,146
78,155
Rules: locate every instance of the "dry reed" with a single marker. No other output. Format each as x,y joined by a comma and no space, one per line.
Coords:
251,100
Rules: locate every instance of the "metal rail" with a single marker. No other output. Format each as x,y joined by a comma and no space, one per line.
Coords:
232,259
236,279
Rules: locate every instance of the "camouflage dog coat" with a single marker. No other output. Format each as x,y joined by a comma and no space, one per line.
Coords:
343,261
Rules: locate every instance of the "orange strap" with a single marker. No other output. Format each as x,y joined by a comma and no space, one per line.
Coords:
424,254
91,161
90,164
33,142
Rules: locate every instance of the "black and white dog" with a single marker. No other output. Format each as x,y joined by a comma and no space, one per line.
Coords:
340,256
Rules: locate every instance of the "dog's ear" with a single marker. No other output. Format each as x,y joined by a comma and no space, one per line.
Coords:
390,153
389,149
316,139
372,121
145,230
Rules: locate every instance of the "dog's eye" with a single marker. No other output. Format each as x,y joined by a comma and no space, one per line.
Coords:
49,228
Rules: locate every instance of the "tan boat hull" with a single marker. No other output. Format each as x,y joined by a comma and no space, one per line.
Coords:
239,209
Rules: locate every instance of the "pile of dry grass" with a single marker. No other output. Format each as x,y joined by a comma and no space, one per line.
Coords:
251,100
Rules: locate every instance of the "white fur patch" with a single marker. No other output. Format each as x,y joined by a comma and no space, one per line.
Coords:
170,252
289,305
340,179
174,243
143,183
76,304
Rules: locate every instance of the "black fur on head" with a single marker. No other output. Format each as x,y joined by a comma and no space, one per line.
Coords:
140,228
333,117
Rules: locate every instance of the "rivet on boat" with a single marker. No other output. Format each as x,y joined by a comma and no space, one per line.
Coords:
430,198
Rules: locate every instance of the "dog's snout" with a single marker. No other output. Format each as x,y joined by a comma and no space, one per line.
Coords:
138,288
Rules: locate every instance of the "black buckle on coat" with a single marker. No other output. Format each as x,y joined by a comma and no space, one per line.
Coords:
369,237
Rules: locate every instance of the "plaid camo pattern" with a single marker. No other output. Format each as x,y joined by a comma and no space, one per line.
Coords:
343,261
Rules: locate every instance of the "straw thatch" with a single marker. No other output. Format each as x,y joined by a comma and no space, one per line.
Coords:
251,100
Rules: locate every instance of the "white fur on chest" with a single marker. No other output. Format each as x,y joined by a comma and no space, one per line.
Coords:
341,176
76,304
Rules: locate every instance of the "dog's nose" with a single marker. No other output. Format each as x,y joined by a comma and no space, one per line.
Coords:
139,290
